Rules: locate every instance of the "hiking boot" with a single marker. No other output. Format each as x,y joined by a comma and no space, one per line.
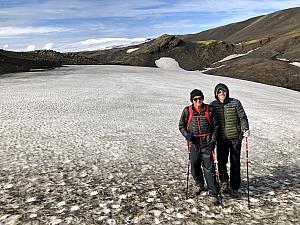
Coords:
197,189
214,200
235,194
224,187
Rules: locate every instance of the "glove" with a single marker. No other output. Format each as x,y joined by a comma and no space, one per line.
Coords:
190,136
246,133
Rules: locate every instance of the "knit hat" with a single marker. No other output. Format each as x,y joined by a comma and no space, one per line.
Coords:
196,92
222,87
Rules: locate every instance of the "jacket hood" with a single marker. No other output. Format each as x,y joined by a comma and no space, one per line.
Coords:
223,87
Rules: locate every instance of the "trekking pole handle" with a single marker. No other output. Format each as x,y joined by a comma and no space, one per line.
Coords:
247,151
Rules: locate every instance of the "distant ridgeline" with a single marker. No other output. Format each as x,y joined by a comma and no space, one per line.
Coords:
23,61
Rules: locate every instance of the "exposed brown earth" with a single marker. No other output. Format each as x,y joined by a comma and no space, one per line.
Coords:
267,71
271,25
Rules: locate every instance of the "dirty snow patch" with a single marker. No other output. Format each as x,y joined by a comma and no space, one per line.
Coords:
282,59
132,50
295,64
236,56
211,68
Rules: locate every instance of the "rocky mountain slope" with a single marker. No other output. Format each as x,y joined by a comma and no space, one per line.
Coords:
271,25
278,35
39,59
16,62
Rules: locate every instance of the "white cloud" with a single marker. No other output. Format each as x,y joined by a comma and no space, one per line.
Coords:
48,46
5,47
14,31
30,48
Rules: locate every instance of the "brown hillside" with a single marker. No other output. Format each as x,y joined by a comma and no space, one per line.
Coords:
271,25
267,71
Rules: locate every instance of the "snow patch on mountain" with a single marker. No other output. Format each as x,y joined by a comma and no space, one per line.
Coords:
282,59
132,50
233,56
287,60
167,64
101,44
295,64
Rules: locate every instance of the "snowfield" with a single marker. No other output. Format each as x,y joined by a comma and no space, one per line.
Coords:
101,145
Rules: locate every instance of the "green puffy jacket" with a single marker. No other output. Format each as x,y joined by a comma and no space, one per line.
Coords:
232,118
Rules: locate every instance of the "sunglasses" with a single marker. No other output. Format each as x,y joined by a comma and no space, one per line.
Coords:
221,91
196,99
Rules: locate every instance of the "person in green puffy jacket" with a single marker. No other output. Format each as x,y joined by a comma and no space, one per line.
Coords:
233,126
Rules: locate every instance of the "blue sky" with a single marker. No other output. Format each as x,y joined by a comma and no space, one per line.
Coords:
61,22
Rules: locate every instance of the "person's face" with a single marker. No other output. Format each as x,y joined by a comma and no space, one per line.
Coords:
197,101
222,95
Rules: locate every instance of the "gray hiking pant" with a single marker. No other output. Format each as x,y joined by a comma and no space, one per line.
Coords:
202,157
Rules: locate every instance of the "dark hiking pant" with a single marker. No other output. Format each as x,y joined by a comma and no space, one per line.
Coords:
224,147
203,156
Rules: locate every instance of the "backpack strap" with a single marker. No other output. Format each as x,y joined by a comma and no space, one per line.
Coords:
190,111
207,114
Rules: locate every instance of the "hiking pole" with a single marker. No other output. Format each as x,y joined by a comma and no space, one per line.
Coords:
247,161
215,160
188,171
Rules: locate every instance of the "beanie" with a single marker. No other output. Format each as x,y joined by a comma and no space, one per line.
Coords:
196,92
222,87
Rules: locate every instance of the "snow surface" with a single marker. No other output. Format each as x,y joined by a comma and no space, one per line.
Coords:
167,64
100,145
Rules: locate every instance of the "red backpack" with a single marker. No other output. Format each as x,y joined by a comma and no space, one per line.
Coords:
207,115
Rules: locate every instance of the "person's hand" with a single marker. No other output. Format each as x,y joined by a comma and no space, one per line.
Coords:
190,136
246,133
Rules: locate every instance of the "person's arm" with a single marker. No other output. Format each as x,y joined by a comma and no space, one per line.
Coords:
243,117
183,122
215,124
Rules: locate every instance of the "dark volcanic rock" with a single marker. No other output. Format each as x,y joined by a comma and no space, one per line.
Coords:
11,63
